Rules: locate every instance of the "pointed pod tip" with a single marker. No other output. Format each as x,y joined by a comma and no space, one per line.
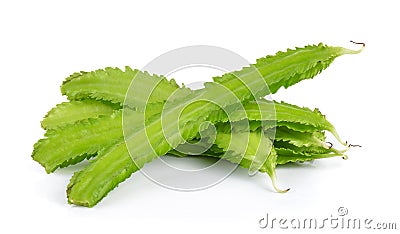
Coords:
358,43
355,51
273,180
286,190
278,190
282,191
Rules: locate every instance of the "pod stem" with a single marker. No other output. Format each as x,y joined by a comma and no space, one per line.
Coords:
273,180
336,135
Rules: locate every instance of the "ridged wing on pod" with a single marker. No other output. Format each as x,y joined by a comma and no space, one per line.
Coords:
112,84
67,113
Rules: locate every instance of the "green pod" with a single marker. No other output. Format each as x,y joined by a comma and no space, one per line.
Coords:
252,83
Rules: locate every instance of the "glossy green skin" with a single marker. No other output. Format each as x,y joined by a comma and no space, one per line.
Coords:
114,165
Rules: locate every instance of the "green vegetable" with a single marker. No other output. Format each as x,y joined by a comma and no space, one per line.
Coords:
114,165
149,134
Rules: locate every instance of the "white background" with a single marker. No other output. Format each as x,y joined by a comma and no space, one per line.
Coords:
42,42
